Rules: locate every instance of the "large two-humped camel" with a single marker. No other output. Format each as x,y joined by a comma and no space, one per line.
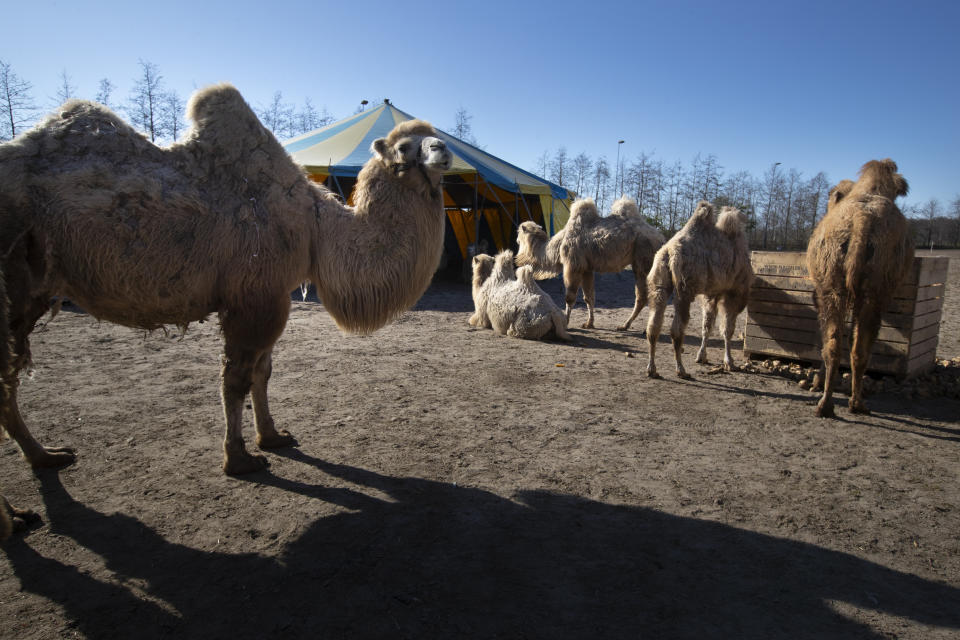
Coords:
592,243
708,257
223,222
857,257
509,300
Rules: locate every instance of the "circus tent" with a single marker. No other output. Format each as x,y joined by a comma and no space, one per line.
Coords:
485,197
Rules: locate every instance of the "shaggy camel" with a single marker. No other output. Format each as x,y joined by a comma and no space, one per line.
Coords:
591,243
708,257
222,222
857,257
511,302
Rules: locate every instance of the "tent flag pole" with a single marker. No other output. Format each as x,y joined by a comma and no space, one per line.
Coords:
524,200
476,213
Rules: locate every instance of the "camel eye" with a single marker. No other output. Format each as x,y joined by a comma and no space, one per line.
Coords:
403,148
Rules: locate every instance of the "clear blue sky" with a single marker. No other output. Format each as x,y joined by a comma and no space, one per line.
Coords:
815,85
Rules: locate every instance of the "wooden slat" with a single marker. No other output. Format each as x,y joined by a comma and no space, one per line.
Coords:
929,292
932,270
765,281
927,319
778,320
879,362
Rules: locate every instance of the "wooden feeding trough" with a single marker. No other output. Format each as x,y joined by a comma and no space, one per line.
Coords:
782,321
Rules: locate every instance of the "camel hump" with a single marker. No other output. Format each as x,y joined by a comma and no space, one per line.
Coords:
731,221
703,215
224,122
214,101
584,211
625,207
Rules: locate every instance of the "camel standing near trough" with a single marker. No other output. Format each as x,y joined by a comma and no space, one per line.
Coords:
510,301
592,243
857,257
708,257
223,222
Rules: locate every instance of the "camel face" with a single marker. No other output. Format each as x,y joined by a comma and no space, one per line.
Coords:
482,268
411,151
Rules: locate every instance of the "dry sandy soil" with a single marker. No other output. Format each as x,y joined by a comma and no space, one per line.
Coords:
453,483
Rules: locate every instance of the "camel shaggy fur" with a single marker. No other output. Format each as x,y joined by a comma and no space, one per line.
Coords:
592,243
223,222
857,257
708,257
510,301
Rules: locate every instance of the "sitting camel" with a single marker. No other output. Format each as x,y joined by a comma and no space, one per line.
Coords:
708,257
511,302
592,243
857,257
223,222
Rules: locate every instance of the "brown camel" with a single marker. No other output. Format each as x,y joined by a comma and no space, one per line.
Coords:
857,257
708,257
591,243
223,222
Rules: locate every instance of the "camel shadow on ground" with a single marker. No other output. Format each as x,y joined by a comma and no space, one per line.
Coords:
413,558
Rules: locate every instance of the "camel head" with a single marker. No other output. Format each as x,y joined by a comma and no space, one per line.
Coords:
530,233
881,177
413,151
482,268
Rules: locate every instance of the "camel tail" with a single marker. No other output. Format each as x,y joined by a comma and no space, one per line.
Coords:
659,280
859,251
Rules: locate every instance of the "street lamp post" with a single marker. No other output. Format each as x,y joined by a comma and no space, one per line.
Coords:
618,176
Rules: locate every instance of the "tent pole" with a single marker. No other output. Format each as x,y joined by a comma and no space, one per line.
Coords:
476,214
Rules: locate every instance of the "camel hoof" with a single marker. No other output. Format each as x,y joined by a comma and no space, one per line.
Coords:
729,367
859,408
825,411
587,325
53,458
276,440
623,327
683,375
245,463
654,375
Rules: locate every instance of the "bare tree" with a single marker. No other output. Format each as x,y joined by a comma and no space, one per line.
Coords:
582,166
601,180
17,108
65,89
104,92
278,116
930,210
543,165
308,118
560,167
462,128
172,114
955,210
145,101
773,186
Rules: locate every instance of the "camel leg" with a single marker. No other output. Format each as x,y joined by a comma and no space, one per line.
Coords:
865,328
16,519
709,308
589,297
832,330
681,316
35,453
560,327
640,301
268,437
733,305
571,284
658,304
248,338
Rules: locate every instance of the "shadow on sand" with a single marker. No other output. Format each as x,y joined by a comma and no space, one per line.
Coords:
433,560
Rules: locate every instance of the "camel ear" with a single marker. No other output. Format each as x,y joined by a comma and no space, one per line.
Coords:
380,147
901,185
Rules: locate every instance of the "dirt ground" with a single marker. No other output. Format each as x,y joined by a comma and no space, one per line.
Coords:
452,483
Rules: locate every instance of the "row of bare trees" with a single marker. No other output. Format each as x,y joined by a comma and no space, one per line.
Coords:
151,106
783,204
